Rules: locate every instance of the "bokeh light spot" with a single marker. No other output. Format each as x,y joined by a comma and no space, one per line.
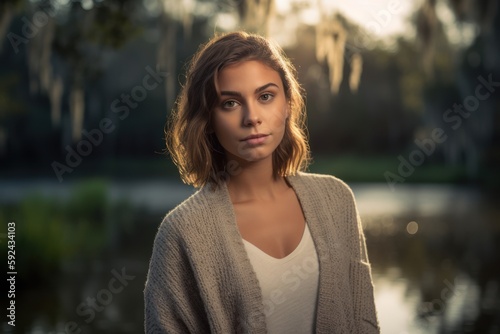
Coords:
87,4
412,227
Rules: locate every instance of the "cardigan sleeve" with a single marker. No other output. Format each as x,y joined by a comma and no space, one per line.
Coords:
355,224
362,240
172,304
361,276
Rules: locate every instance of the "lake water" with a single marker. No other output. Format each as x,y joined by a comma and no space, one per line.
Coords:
434,251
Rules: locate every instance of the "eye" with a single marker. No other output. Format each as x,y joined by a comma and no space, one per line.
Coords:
266,97
229,104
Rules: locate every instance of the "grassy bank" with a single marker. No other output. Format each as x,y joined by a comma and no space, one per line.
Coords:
351,168
375,169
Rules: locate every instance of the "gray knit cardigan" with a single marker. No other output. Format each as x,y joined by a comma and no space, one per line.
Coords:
200,279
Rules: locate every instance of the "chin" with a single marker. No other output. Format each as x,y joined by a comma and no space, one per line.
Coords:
254,156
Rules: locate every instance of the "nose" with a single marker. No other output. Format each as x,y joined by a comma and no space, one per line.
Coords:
251,116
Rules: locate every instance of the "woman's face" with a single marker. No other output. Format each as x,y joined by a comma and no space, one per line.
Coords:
249,118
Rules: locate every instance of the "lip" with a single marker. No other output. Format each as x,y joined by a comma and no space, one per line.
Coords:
256,139
258,135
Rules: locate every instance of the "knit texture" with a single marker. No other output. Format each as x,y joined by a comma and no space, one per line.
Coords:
200,279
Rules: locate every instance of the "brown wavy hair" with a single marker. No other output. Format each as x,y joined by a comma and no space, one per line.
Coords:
190,139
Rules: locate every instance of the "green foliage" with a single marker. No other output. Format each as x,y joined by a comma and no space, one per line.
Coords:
51,232
88,203
86,213
113,27
354,168
10,103
39,235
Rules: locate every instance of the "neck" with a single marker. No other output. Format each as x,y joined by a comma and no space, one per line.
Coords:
254,181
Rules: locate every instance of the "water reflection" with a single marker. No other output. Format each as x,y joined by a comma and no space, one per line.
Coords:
435,258
434,251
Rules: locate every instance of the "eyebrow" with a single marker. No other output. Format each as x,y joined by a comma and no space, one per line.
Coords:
258,90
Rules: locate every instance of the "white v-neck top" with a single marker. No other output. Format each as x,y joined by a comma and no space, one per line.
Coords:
289,286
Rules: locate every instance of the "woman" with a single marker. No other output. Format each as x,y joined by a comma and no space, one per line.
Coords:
261,247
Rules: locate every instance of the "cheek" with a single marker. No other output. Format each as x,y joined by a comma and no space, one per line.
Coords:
279,119
224,128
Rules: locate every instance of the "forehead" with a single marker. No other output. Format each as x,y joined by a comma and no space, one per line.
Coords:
247,76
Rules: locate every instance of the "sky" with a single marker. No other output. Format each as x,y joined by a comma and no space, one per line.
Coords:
382,17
